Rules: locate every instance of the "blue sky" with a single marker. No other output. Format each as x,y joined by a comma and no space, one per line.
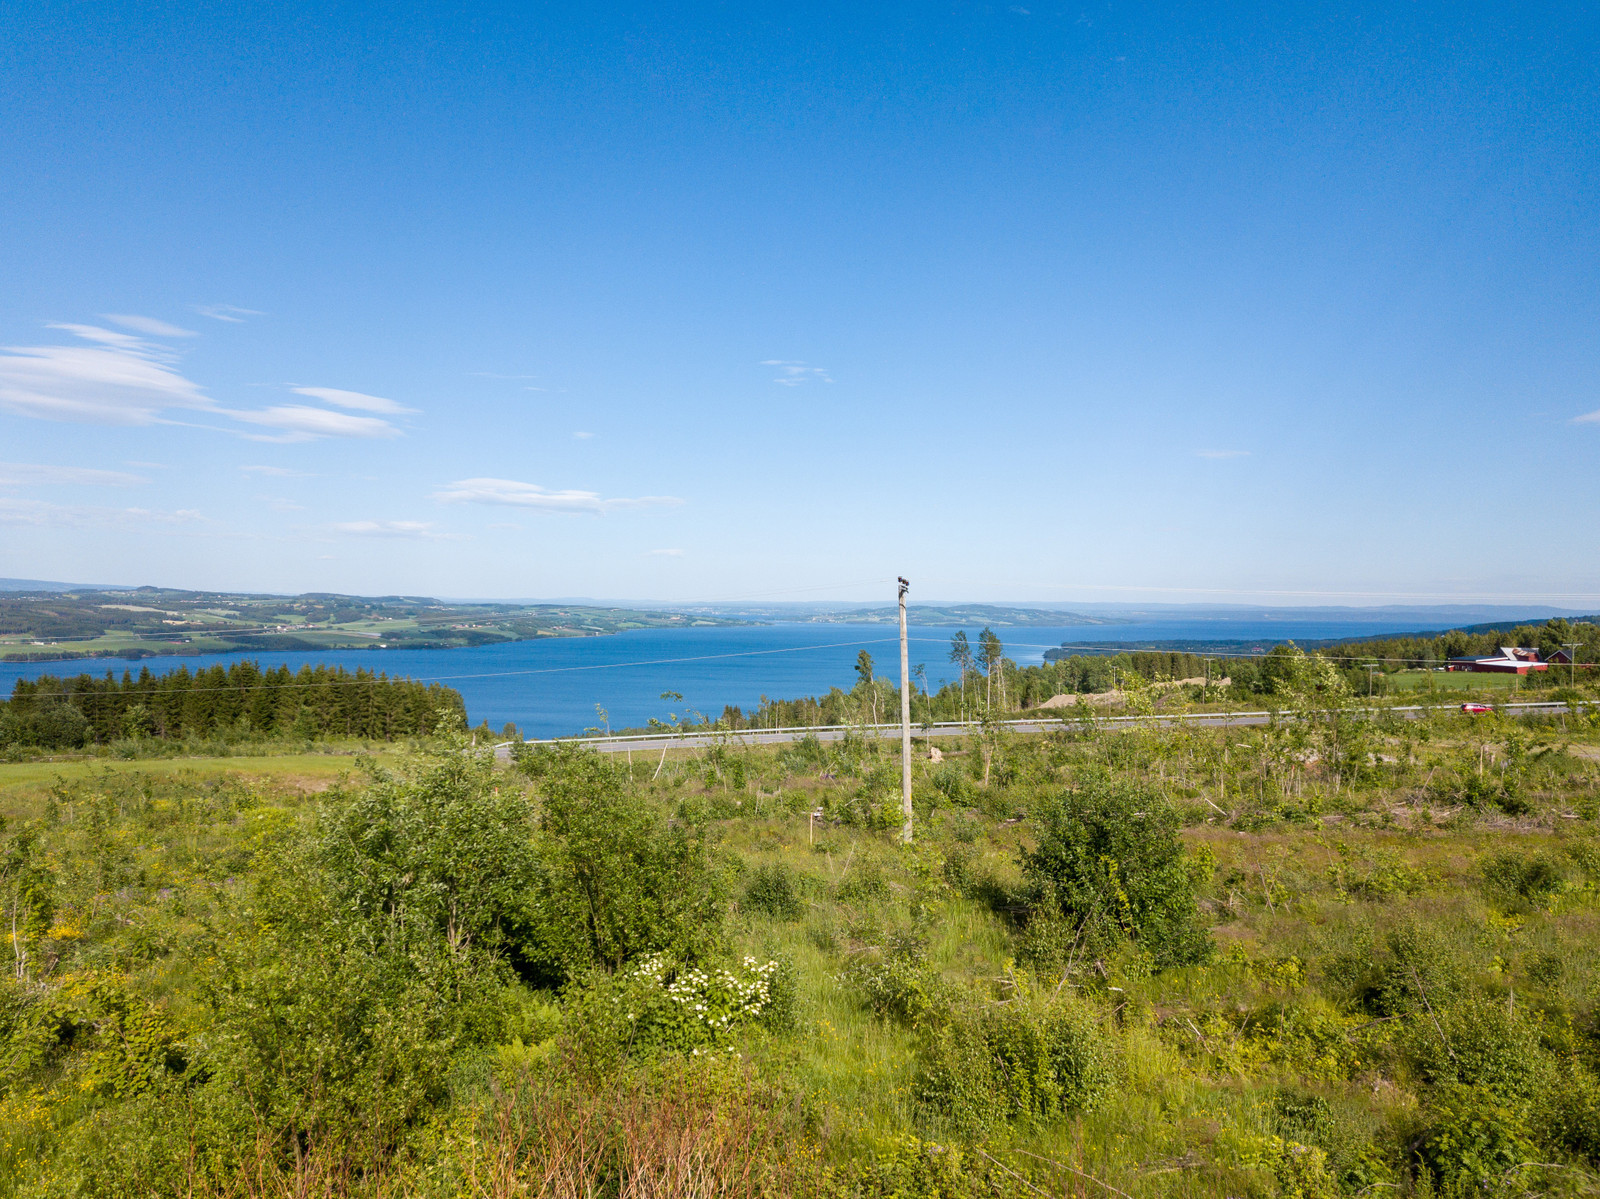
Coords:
1023,301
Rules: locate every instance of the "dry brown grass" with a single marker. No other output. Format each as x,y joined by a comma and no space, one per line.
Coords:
687,1132
690,1130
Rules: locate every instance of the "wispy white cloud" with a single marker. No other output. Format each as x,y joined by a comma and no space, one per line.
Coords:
276,472
121,380
227,312
663,553
792,374
27,474
352,399
419,529
148,325
580,436
1588,418
278,504
38,514
124,379
1222,453
511,493
114,337
299,422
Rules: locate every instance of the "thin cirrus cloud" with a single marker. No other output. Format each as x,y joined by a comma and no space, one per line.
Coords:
300,422
227,312
792,374
276,472
513,494
147,325
122,378
1588,418
39,514
418,529
1222,453
30,474
353,399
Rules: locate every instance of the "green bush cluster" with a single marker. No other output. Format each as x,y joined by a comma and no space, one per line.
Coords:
773,890
1109,863
1028,1059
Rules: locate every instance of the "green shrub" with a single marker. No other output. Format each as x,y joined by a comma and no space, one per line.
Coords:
895,980
950,784
803,755
1479,1044
1381,877
964,874
1570,1116
441,845
1029,1059
613,879
658,1005
1474,1143
865,884
1416,971
773,891
1307,1036
1533,879
1545,969
1048,942
1109,861
34,1026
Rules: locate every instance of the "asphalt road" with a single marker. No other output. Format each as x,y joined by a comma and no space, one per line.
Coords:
648,742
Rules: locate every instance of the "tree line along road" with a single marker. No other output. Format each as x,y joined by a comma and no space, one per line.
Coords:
700,739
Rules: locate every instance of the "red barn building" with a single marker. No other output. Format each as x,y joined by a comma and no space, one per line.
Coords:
1510,660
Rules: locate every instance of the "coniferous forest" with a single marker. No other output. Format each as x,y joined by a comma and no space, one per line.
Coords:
234,702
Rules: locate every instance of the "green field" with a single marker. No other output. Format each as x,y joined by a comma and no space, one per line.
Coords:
23,785
1335,957
1458,681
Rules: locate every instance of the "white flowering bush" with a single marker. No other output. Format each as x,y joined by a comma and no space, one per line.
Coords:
690,1009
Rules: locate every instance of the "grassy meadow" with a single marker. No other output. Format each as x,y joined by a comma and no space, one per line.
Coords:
1339,956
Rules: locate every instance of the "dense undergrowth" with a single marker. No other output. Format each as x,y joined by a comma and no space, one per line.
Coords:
1335,956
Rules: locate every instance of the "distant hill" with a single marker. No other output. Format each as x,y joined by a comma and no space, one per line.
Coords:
1247,648
994,615
52,622
46,585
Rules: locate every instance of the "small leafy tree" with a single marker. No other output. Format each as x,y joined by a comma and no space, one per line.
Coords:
614,878
993,655
442,845
866,679
1108,861
961,658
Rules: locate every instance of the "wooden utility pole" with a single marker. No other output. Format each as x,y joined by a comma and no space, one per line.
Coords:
1572,648
905,720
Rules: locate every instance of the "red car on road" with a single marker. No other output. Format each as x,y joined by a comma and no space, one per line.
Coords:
1476,709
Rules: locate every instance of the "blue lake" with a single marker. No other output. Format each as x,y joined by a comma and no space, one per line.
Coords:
550,687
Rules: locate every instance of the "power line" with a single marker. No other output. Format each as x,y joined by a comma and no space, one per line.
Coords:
447,678
1478,597
1093,649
